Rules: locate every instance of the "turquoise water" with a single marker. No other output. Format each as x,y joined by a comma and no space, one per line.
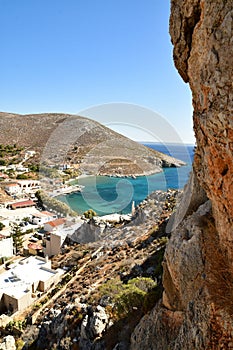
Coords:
107,195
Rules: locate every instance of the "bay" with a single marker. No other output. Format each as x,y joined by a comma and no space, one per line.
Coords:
106,195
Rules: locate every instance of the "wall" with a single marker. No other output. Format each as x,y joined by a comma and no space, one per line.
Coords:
6,247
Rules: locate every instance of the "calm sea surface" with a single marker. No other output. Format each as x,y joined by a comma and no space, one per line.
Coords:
107,195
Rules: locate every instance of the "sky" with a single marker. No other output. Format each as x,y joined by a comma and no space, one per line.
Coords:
74,56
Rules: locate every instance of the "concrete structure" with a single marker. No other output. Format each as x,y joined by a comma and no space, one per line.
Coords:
29,154
29,185
55,239
63,167
24,204
6,247
53,243
20,284
21,169
34,248
12,188
54,224
43,217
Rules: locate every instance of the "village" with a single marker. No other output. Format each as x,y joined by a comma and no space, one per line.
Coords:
31,233
29,237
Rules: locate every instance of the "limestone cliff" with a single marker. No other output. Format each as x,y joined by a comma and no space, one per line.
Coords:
197,307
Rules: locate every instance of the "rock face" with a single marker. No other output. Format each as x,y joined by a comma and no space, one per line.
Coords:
8,343
202,34
197,306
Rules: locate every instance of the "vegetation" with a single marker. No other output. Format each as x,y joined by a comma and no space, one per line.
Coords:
51,173
54,204
22,177
20,325
34,168
1,226
17,236
125,298
10,154
89,214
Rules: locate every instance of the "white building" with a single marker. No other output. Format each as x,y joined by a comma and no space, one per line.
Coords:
22,169
6,247
19,284
29,185
54,224
12,188
56,238
42,217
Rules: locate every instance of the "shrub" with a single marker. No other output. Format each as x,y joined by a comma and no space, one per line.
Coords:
1,226
54,204
139,293
89,214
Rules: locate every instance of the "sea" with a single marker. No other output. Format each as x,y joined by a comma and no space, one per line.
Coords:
107,195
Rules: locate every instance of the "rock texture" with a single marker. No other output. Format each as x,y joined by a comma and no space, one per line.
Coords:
202,34
91,147
197,306
8,343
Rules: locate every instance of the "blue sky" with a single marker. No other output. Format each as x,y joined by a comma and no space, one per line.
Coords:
69,55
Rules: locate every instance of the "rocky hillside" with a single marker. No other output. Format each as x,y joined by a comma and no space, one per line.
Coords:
91,147
197,307
107,287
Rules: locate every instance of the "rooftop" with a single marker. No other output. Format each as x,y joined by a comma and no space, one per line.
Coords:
18,280
35,246
43,214
56,222
23,204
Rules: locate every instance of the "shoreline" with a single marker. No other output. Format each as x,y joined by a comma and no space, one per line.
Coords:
126,176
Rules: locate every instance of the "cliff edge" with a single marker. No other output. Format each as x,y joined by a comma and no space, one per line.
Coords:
197,307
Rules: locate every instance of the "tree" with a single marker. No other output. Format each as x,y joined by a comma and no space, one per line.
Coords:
1,226
2,162
89,214
22,177
17,236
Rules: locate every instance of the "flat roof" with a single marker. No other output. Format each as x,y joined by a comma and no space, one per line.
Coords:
18,279
20,213
43,214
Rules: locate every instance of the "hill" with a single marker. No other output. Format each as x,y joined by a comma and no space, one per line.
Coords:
91,147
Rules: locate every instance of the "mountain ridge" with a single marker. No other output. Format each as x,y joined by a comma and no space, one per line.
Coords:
93,148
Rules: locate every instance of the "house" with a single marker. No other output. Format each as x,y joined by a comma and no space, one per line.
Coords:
20,284
24,204
11,167
63,167
43,217
12,188
34,248
22,169
6,247
29,185
54,240
55,224
29,154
